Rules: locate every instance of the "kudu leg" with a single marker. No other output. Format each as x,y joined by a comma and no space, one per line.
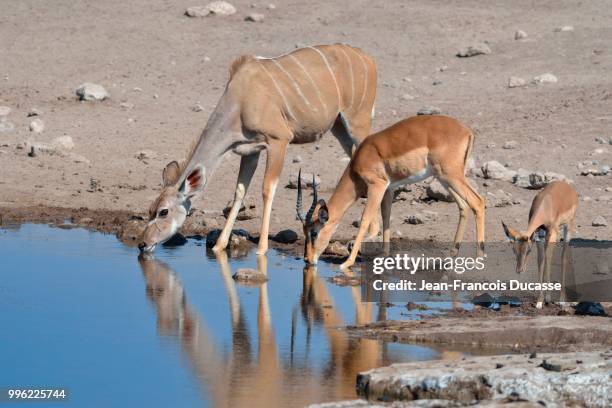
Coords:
274,166
375,197
248,165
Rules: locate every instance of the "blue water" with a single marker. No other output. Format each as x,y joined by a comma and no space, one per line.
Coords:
79,310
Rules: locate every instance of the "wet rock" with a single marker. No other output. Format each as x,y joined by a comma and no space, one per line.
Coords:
91,92
473,50
197,11
342,279
249,275
245,213
286,236
175,241
221,8
564,29
599,221
131,232
496,171
520,34
337,248
429,110
547,78
516,82
510,144
590,309
416,306
37,125
436,191
306,181
255,18
483,300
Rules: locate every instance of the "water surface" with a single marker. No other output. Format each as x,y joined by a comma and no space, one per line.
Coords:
80,310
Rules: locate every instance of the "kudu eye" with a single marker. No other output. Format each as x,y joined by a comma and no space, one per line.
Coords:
163,213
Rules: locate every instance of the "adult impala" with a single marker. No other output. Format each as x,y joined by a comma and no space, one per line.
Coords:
267,104
407,152
553,209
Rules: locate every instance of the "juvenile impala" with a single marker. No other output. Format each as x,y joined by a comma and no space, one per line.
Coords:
407,152
552,208
267,104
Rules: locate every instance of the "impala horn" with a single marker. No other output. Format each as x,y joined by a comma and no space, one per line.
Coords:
314,200
298,204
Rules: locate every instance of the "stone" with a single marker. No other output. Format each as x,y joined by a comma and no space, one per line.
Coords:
271,6
306,181
436,191
91,92
221,8
602,171
546,78
406,97
63,143
429,110
473,50
197,11
520,34
590,309
297,159
510,144
516,82
255,17
564,29
37,126
245,213
175,241
250,275
422,218
599,221
286,236
496,171
600,140
143,155
342,279
197,108
337,248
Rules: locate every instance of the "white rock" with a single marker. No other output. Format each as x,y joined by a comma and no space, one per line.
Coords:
37,125
255,17
221,8
510,144
429,110
473,50
516,82
406,97
197,11
436,191
599,221
520,34
91,92
63,143
271,6
546,78
564,29
496,171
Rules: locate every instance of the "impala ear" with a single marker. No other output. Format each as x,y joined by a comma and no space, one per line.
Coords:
323,213
194,182
511,233
171,173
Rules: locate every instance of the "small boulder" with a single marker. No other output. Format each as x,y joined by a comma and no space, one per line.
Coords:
473,50
175,241
91,92
516,82
520,34
496,171
590,309
421,218
286,236
37,125
436,191
564,29
221,8
245,213
599,221
197,11
337,248
546,78
510,144
255,17
429,110
250,276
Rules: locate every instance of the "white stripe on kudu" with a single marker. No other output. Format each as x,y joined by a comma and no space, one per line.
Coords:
312,82
331,72
295,85
352,77
278,89
365,77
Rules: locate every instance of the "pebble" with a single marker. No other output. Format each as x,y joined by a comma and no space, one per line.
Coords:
600,140
221,8
91,92
197,108
271,6
406,97
520,34
429,110
250,275
473,50
297,159
197,11
422,218
599,221
510,144
516,82
337,248
546,78
286,236
564,29
255,17
37,125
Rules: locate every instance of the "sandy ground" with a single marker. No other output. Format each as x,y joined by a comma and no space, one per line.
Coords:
160,64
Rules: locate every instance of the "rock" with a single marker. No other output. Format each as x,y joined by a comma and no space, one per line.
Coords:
337,248
245,213
286,236
250,275
37,125
564,29
271,6
238,238
6,127
436,191
91,92
535,180
590,309
342,279
4,112
547,78
510,144
63,143
604,170
520,34
473,50
436,82
32,152
197,11
496,171
197,108
126,105
600,140
406,97
146,155
297,159
599,221
221,8
175,241
255,17
422,218
306,181
130,232
429,110
516,82
356,223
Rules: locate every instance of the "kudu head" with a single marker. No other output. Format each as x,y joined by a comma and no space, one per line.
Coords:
169,211
521,245
313,222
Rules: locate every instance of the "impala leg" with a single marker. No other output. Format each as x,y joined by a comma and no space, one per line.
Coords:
274,166
552,237
541,265
461,186
248,165
375,197
463,217
385,209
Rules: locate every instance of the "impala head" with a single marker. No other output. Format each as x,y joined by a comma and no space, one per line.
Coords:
521,245
316,237
169,211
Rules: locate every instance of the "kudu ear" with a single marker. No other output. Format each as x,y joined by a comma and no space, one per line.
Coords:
194,182
171,173
511,233
323,213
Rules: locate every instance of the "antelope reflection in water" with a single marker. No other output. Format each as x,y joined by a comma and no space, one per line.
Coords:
262,377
